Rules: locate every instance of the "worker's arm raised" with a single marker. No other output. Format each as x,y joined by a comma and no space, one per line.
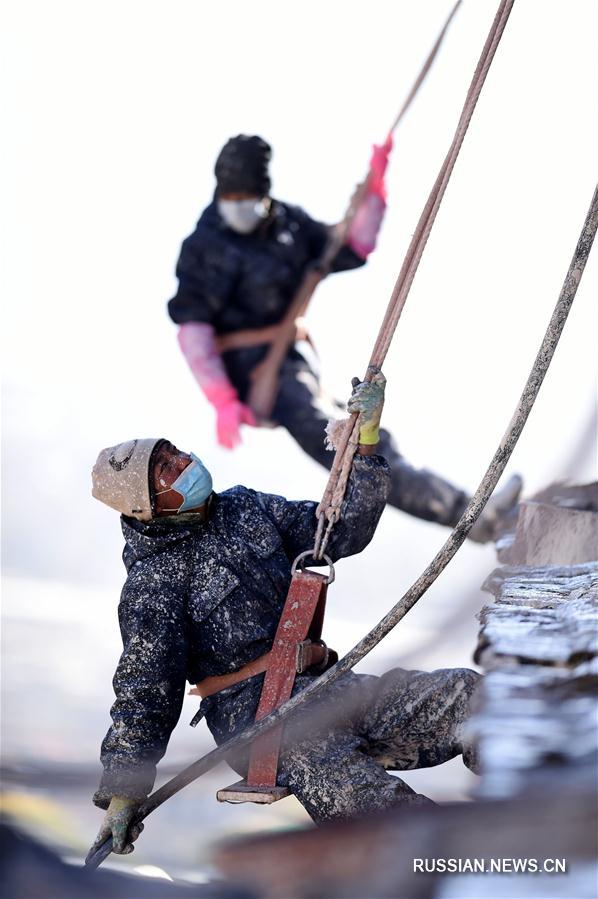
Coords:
363,231
362,234
365,499
367,489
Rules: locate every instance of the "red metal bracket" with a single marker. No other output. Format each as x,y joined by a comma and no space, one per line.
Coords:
304,607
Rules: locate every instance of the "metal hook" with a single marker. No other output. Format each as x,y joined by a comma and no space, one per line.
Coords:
310,553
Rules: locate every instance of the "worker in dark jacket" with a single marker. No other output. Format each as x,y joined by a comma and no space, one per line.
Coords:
238,274
207,579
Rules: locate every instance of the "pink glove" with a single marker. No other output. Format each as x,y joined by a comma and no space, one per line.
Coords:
198,345
231,413
366,224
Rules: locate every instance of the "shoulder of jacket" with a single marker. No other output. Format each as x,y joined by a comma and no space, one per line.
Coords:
236,496
207,229
291,212
242,503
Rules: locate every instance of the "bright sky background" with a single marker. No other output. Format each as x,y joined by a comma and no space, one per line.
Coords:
115,115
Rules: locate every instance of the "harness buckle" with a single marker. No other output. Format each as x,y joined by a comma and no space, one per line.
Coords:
310,654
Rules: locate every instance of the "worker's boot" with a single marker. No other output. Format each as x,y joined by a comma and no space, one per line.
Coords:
499,509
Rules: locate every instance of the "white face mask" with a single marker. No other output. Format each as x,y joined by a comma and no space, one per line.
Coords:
243,216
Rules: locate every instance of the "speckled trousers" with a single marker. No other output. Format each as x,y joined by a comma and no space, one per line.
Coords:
397,722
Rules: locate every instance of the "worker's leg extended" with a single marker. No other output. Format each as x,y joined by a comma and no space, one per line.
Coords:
304,410
334,777
324,759
425,494
416,719
400,721
418,491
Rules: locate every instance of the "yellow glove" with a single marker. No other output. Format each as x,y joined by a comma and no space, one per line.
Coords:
116,824
368,399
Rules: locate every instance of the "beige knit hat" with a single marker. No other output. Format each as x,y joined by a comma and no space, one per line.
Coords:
120,477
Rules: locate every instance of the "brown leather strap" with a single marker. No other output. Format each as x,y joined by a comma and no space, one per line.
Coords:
210,685
308,654
238,340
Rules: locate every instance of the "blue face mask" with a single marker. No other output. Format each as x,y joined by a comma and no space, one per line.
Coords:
194,484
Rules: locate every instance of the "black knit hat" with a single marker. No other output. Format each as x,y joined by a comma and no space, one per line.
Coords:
242,165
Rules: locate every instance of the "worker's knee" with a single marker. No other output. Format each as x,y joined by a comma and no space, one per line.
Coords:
464,683
459,686
461,683
416,719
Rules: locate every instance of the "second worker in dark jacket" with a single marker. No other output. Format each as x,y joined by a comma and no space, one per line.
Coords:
239,272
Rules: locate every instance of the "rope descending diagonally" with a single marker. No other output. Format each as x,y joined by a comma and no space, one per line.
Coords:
340,233
424,69
432,571
264,376
329,508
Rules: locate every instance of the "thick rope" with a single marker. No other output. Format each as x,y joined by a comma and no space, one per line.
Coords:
342,229
264,378
433,570
329,508
424,69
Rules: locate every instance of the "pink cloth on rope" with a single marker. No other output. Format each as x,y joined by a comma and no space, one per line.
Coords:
365,226
198,345
378,166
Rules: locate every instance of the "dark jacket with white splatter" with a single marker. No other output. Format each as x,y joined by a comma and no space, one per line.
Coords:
204,598
235,281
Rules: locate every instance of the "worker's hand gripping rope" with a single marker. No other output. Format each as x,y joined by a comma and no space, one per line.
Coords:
368,400
117,824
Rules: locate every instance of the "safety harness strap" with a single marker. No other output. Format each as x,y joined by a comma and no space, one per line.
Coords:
251,337
301,618
248,337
